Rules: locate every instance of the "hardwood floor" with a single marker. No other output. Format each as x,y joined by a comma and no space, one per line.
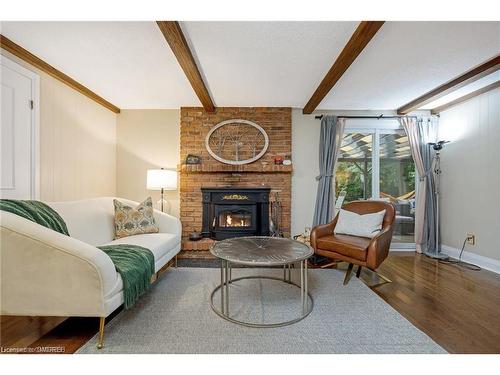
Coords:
458,308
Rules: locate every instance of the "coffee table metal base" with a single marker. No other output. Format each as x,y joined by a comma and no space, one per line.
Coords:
226,280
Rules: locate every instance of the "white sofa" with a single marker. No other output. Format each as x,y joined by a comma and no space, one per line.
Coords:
45,273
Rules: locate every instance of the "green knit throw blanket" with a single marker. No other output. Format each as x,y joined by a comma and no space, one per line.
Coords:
35,211
135,264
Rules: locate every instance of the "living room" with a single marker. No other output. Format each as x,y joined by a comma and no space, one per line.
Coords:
250,186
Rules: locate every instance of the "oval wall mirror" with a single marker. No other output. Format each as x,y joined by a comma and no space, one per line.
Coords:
237,142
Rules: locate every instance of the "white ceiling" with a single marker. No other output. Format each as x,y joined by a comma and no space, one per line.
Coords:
407,59
128,63
259,63
265,63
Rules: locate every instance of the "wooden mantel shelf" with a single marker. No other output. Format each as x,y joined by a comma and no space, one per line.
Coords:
225,168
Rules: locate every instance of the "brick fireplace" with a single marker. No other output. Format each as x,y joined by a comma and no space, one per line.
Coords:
212,174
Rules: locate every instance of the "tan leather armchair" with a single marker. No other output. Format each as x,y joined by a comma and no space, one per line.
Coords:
364,252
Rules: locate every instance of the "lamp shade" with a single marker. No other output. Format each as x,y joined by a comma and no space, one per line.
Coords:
158,179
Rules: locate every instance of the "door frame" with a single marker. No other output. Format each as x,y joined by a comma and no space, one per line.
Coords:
35,121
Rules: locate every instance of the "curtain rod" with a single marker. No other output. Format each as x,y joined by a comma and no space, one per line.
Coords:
379,117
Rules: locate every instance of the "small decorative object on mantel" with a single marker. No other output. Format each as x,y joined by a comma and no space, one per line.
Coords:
278,160
193,159
287,160
237,142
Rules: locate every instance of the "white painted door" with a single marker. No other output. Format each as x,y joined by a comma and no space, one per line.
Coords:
17,132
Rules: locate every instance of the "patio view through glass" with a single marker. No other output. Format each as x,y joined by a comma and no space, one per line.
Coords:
377,164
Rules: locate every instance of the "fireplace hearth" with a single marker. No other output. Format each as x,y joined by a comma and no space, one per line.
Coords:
235,212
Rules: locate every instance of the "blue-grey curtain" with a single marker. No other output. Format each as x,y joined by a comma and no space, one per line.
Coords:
428,131
420,133
330,140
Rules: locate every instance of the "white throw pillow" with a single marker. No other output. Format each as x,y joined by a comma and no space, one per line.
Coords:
351,223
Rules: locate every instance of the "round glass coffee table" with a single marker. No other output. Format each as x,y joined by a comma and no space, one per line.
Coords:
261,252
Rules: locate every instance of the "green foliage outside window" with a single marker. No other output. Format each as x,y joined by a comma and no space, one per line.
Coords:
397,177
350,177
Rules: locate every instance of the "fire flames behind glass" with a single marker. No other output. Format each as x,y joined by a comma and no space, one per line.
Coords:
231,219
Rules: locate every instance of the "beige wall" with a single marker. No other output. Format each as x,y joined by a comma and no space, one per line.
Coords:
77,143
146,139
305,143
471,174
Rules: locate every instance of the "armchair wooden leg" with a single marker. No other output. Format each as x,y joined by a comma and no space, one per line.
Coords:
331,264
387,280
348,273
358,272
100,343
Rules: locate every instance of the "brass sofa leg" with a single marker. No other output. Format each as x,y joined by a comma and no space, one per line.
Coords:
358,272
100,343
348,274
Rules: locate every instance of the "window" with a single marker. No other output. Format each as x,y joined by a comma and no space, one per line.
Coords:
354,168
376,163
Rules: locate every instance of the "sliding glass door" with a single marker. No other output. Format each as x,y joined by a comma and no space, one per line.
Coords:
376,163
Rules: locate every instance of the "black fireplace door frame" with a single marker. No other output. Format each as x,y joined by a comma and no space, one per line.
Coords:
256,200
248,208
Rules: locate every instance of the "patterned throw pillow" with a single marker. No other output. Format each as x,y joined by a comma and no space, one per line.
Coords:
130,221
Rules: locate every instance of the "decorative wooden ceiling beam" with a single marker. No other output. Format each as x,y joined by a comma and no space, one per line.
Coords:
480,71
172,32
15,49
365,31
464,98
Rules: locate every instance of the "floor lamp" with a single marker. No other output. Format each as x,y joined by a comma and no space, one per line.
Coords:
161,179
436,252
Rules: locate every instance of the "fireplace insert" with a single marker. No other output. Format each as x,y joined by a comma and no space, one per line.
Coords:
235,212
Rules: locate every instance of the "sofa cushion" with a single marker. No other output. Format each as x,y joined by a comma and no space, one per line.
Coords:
350,246
130,221
159,243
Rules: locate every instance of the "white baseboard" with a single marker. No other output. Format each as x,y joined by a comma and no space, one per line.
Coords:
412,249
402,246
489,264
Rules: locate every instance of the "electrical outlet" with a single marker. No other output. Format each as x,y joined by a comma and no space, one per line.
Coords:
471,239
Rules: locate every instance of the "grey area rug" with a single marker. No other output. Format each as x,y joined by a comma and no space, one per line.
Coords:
176,317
